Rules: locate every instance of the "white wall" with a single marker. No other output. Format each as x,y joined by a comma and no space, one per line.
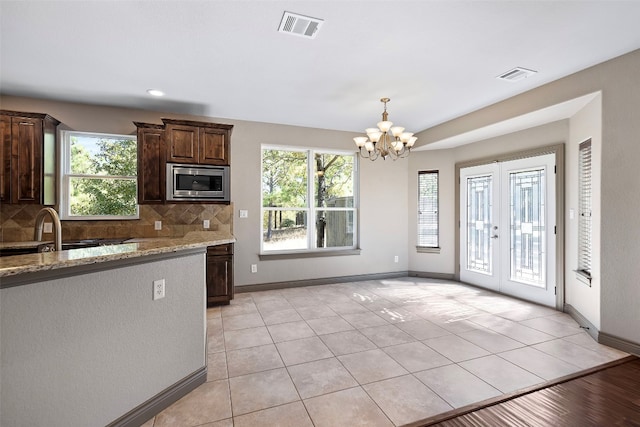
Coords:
619,82
445,161
620,197
383,201
585,124
388,189
84,350
383,189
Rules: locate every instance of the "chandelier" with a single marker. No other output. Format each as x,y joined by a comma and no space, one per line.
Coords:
385,140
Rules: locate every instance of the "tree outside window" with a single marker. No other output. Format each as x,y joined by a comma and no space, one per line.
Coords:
302,187
99,176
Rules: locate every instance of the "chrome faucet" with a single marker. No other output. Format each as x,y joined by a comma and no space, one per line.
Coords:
37,233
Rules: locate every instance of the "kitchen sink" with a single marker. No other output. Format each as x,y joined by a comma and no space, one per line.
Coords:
81,244
66,245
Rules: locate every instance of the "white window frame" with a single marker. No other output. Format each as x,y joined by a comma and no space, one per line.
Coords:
429,248
310,209
66,175
585,211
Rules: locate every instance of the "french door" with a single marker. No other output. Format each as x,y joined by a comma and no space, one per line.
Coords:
507,227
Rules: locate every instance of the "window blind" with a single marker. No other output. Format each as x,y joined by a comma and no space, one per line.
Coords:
428,209
584,208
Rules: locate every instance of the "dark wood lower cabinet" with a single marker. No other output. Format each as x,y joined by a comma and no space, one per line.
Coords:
220,274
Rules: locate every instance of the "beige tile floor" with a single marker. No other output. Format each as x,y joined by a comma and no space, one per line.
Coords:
375,353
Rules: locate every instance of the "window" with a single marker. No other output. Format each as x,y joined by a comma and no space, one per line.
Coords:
428,209
98,176
584,211
309,200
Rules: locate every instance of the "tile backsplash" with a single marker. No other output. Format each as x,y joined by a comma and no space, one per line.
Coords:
17,222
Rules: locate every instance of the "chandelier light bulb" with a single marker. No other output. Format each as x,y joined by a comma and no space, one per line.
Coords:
396,131
360,141
375,136
384,126
369,146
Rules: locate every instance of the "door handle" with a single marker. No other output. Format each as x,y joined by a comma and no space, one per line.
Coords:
495,236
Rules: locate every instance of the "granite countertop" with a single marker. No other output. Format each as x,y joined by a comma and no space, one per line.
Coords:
133,248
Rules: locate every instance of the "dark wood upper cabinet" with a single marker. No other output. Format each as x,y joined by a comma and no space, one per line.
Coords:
214,146
182,144
151,163
27,156
176,141
200,143
5,159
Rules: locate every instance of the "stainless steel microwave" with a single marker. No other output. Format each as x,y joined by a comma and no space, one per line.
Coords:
197,182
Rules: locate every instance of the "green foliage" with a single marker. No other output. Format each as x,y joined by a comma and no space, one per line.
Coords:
81,159
285,184
287,222
334,179
284,178
114,194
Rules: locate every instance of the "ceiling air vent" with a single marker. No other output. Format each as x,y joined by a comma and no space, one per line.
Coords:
300,25
516,74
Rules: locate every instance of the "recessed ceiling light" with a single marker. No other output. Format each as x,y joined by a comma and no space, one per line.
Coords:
155,92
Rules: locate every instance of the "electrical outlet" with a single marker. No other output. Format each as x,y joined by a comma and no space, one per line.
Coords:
395,258
254,268
206,224
157,225
244,213
48,227
158,289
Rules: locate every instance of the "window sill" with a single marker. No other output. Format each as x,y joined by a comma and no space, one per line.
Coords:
584,277
427,250
308,254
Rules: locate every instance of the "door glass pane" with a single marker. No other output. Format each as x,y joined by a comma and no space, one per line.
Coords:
478,225
527,226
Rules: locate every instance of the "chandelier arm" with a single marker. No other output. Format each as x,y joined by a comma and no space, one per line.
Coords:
364,156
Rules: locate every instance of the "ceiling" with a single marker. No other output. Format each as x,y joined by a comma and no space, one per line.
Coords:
436,60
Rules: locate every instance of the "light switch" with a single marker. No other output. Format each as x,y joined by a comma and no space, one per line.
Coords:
244,213
158,225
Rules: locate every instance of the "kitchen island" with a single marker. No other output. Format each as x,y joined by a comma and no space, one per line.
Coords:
83,341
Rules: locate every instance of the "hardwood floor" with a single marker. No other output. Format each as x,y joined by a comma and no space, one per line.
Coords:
606,397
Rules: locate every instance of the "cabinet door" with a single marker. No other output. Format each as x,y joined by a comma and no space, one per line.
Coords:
26,158
151,166
219,278
214,147
182,144
5,159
